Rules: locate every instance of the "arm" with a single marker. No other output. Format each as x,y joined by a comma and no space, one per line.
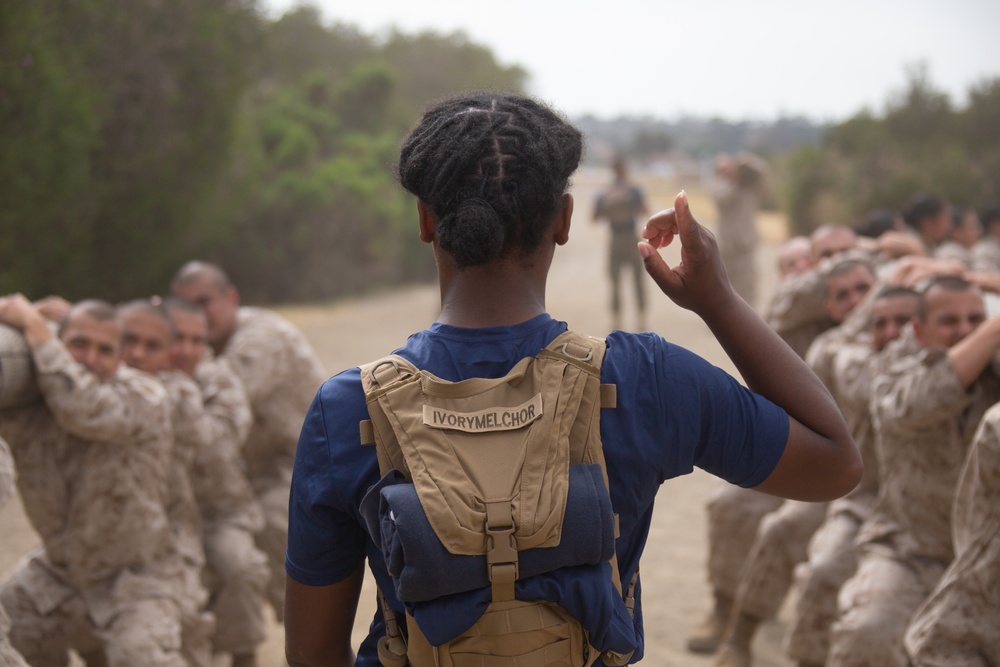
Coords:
319,621
820,460
970,356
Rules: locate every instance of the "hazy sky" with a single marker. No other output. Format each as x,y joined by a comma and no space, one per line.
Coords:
731,58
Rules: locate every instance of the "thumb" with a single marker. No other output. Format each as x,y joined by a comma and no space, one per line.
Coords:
686,224
657,268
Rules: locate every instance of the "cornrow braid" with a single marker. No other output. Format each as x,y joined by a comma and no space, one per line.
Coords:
492,168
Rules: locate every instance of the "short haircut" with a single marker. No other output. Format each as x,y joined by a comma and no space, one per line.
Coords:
947,283
149,308
876,223
922,207
95,309
175,303
196,270
896,291
846,266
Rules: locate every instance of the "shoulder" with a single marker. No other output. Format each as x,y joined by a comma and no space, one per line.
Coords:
141,386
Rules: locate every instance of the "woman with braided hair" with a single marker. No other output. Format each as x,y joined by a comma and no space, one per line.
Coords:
490,173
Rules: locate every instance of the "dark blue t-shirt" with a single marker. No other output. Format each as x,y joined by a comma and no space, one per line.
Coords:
675,411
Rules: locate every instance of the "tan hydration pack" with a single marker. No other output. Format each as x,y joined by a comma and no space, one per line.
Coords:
490,462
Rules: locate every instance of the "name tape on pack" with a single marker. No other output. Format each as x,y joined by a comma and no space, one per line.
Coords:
487,419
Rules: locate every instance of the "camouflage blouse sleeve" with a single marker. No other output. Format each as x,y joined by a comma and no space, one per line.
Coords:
919,391
118,411
7,476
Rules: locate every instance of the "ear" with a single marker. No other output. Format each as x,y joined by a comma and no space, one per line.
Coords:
233,295
428,222
560,228
918,329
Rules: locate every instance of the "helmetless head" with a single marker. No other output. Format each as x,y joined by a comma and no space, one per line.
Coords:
950,309
91,333
893,309
147,336
208,286
493,171
190,334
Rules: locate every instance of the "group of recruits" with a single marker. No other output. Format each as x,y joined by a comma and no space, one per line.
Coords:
905,570
155,467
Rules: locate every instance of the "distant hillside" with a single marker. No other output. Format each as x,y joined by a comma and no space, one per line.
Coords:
649,140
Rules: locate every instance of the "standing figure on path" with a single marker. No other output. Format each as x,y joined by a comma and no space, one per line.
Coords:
739,186
490,173
621,206
281,373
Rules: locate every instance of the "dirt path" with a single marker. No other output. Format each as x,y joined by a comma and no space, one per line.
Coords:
675,595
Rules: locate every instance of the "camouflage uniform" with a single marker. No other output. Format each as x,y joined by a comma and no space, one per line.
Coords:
986,254
924,420
734,516
832,558
94,465
237,570
737,233
783,535
953,251
9,657
959,624
281,374
795,310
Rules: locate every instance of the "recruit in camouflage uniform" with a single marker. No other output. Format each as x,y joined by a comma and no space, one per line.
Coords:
9,657
831,553
797,314
924,419
986,254
93,462
237,572
959,624
281,374
783,535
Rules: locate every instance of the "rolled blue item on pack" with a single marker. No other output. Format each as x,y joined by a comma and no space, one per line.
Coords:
423,569
456,589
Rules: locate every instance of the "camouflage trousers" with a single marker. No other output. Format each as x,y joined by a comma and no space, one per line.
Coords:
959,624
9,656
127,619
832,561
876,605
782,543
734,514
273,493
237,575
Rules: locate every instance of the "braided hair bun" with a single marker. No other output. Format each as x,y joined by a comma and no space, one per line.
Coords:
492,168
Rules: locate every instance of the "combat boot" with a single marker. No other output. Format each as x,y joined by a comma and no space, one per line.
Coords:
706,637
734,651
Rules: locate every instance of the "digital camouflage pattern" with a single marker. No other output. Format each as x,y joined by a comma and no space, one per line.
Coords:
281,374
94,464
924,420
959,622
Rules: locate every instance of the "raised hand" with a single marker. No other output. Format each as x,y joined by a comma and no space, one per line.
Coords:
699,283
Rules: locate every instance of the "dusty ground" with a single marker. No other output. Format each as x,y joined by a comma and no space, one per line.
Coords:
675,594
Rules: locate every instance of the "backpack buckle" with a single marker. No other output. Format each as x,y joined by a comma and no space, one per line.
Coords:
501,550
